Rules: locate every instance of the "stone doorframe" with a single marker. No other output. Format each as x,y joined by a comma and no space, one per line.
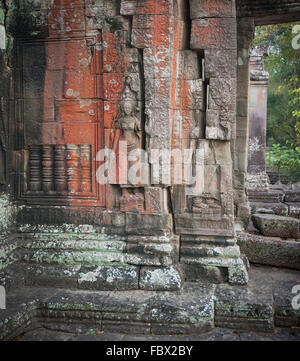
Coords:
251,14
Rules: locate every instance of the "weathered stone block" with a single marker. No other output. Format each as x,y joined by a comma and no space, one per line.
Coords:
269,250
244,308
156,63
220,124
150,31
156,279
196,225
277,226
188,65
212,8
202,273
281,209
213,33
190,95
66,21
158,125
292,196
294,210
147,224
141,252
113,86
222,94
238,275
220,63
108,278
128,7
155,200
190,310
286,314
157,94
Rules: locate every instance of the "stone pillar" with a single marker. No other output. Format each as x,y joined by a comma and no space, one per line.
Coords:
259,194
239,146
205,220
257,178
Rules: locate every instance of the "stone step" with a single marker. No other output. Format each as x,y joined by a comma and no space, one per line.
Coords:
272,251
277,226
244,308
292,196
190,310
294,209
265,197
110,276
287,304
280,209
267,302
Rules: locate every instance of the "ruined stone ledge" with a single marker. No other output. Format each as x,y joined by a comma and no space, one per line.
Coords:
277,226
265,197
186,311
292,196
101,277
294,209
270,250
244,308
285,314
264,304
191,224
280,209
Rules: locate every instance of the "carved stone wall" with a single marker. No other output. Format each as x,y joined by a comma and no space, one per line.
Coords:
161,75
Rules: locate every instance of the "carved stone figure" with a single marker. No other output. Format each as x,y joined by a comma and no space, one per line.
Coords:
129,123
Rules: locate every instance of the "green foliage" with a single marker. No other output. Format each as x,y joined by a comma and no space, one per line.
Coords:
285,159
284,87
20,18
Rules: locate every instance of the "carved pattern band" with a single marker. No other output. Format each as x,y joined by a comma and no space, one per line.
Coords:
60,169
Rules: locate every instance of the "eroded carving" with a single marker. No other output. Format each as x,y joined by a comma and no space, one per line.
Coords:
207,206
128,122
131,201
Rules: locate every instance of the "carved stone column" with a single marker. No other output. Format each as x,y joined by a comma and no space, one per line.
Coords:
256,177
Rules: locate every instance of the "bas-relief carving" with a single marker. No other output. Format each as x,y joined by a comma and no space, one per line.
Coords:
220,63
220,124
129,123
222,93
206,206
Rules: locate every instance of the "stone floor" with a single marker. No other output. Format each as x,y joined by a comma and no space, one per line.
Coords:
218,334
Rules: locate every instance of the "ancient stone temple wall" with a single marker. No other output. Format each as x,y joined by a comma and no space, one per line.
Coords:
124,128
85,78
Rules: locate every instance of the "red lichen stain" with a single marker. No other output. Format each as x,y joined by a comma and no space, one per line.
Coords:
73,81
208,33
153,7
214,6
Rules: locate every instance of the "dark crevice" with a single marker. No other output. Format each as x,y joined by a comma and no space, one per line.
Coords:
188,22
171,209
5,10
130,18
143,101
